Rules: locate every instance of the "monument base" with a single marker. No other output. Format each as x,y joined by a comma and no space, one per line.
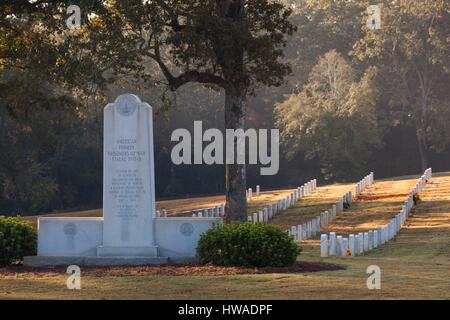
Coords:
46,261
110,251
65,241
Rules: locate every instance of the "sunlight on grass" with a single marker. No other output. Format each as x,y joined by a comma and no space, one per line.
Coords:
415,265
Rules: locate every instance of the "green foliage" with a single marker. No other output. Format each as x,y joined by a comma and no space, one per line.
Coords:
332,119
412,53
47,159
247,245
17,239
322,26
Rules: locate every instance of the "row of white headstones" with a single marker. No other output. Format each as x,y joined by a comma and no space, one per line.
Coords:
219,210
310,229
263,215
216,211
269,211
365,183
366,241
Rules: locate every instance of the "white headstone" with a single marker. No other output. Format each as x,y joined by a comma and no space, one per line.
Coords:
322,219
379,236
351,244
357,251
332,243
339,246
294,233
299,233
344,247
324,245
366,241
360,243
370,239
375,239
308,228
260,216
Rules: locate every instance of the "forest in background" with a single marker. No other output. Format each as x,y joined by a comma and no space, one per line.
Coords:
386,109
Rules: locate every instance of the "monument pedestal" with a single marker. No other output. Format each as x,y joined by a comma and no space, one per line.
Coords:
66,241
108,251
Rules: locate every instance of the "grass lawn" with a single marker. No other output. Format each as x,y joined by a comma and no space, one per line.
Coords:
416,265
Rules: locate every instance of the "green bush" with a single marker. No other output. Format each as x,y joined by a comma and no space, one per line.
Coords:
17,239
247,245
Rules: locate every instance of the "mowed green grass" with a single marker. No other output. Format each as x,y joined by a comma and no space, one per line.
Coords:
416,265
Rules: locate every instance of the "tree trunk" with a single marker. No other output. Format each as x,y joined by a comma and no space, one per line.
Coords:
422,151
235,177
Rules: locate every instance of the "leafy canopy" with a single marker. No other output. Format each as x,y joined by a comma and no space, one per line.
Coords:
332,119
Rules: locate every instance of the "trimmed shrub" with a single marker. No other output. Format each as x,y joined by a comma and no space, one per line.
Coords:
247,245
17,239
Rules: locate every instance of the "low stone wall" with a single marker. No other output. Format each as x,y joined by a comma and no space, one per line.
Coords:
71,237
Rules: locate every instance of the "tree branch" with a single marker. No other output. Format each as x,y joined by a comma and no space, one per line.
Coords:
176,82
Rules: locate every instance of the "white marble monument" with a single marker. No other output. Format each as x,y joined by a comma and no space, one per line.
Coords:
130,231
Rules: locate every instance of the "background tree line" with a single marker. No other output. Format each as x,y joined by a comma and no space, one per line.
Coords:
357,100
